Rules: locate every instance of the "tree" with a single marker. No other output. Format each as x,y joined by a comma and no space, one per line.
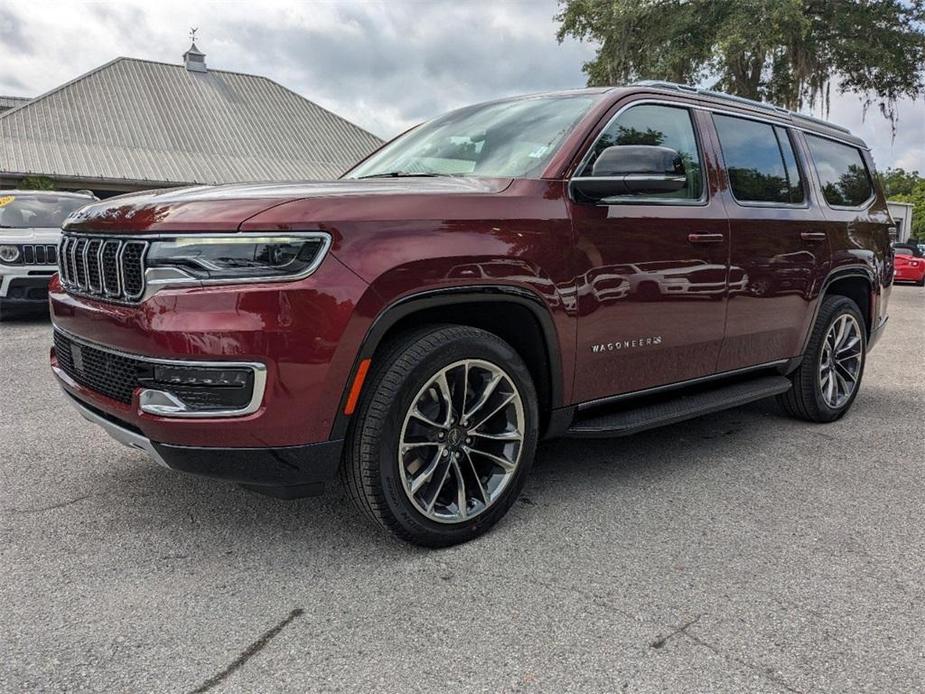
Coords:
900,185
917,198
37,183
788,52
899,181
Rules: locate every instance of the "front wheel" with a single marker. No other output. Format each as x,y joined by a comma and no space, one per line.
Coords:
827,381
444,436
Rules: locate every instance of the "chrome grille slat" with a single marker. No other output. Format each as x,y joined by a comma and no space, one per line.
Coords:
92,262
72,252
111,269
62,266
109,255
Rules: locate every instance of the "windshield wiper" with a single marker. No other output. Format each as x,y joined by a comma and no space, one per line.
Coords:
403,174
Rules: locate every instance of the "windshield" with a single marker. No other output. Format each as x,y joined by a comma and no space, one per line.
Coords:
37,210
502,140
904,251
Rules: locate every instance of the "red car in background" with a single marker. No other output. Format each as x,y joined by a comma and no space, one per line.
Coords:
908,267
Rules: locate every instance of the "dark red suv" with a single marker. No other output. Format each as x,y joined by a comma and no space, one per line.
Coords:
588,263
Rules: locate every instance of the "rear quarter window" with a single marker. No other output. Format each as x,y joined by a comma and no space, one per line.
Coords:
842,172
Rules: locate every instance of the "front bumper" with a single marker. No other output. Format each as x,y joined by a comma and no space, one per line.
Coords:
909,275
289,472
27,288
304,334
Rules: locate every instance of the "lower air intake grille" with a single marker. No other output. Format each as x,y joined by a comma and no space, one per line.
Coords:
112,375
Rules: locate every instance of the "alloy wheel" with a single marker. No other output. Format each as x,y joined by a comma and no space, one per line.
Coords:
840,361
461,441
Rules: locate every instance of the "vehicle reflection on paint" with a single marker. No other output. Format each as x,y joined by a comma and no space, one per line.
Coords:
786,273
658,280
513,270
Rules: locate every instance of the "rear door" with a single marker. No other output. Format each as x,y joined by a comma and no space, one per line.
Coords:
652,270
857,214
779,252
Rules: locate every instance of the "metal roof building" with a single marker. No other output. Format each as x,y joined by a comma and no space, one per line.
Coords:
8,102
132,124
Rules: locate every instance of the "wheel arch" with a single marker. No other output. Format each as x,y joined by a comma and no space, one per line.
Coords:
858,285
500,309
855,283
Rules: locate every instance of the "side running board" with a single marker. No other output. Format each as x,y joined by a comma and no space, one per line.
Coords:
677,408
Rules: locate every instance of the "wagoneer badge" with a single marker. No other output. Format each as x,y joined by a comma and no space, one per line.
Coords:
627,344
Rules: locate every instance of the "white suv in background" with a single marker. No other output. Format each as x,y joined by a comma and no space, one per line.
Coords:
30,229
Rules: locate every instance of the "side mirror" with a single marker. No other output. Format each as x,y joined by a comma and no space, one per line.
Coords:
633,170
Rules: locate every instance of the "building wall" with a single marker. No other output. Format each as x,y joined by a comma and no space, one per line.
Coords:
902,215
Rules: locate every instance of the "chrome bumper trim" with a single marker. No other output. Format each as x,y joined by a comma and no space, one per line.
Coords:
120,434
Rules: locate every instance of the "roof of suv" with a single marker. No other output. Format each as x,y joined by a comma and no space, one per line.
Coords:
759,108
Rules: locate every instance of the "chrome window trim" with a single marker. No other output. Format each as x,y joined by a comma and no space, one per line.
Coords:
259,370
702,201
784,122
786,119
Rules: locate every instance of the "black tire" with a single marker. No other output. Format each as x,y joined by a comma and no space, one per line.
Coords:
805,399
921,282
370,471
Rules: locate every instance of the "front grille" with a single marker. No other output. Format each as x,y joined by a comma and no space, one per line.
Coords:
37,254
113,375
104,268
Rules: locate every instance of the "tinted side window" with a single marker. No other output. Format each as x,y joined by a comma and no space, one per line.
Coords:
842,172
664,126
760,161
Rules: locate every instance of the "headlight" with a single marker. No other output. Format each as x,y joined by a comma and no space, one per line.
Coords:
9,254
237,257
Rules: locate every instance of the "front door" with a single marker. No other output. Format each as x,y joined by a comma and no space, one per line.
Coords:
652,270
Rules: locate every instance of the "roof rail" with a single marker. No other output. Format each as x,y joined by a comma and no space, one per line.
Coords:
661,84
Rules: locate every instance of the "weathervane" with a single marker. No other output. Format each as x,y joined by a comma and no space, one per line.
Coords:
192,33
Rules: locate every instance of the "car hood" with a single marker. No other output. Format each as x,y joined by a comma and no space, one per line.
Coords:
226,207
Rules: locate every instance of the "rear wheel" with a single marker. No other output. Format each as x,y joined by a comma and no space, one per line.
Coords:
827,381
444,436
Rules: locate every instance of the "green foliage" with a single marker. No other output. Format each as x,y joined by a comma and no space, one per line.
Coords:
632,136
917,197
37,183
788,52
900,185
899,181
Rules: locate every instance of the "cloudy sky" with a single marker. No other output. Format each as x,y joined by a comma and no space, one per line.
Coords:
386,64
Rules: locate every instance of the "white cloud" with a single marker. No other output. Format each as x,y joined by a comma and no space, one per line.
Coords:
385,64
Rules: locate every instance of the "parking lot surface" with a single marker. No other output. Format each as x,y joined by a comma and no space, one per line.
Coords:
742,551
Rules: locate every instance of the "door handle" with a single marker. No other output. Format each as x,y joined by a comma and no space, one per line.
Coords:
706,238
814,236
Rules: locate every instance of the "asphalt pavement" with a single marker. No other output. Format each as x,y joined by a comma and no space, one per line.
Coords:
738,552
